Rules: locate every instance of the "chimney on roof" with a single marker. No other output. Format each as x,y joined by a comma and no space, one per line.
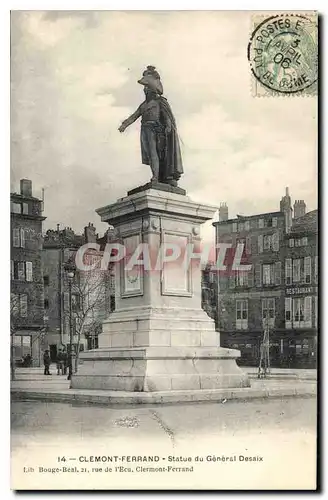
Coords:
26,187
223,212
299,208
90,233
286,207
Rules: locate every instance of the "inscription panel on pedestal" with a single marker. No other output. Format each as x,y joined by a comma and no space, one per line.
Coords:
131,279
176,275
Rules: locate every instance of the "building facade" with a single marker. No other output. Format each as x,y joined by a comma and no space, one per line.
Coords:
27,292
301,289
248,302
93,293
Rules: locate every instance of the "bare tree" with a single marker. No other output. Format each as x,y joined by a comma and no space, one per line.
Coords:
89,302
14,311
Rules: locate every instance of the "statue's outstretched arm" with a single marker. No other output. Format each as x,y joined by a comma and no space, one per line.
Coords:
126,123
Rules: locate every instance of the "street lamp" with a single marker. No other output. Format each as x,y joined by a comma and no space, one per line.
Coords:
70,270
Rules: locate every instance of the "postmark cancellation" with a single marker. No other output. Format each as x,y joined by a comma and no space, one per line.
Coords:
283,54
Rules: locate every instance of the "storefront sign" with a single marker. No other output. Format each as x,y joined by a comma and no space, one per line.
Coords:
308,290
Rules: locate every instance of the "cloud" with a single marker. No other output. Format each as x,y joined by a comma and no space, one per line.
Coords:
74,80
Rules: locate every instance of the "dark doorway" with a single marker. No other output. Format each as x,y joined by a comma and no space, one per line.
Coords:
53,352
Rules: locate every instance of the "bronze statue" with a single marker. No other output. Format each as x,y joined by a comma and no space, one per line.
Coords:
159,138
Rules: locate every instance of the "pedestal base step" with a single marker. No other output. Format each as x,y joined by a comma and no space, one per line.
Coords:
159,369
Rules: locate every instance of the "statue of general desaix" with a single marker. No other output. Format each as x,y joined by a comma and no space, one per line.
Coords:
160,147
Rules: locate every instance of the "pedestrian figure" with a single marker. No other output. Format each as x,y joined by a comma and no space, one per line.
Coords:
65,361
60,363
46,361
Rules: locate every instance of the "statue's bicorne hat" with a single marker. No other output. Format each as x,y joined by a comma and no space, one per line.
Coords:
150,78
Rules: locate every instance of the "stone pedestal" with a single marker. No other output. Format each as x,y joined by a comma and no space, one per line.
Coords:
159,338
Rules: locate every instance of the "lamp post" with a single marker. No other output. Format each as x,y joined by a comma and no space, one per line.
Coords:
70,273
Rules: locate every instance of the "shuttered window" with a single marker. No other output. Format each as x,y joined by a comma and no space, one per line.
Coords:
316,269
260,243
307,269
296,270
275,242
22,238
308,312
258,275
21,271
29,271
288,271
23,305
16,237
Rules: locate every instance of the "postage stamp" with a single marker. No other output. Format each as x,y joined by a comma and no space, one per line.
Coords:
283,54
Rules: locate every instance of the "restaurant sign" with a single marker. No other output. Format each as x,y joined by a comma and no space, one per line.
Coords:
308,290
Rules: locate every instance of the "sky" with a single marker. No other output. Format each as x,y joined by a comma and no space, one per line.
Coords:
74,79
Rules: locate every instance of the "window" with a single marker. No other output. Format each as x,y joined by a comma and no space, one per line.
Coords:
308,312
274,222
275,242
16,208
298,312
268,274
307,269
270,242
268,312
242,278
296,270
277,273
18,238
288,271
315,311
76,302
14,304
25,208
46,303
23,305
241,226
260,243
288,312
241,314
66,301
29,271
261,223
46,280
316,269
267,238
300,242
20,271
291,242
19,305
22,238
234,227
247,225
12,270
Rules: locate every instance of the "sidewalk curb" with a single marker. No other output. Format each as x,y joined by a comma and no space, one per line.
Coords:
118,397
284,376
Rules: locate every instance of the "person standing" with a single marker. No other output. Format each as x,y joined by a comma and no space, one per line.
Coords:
59,362
64,362
46,362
